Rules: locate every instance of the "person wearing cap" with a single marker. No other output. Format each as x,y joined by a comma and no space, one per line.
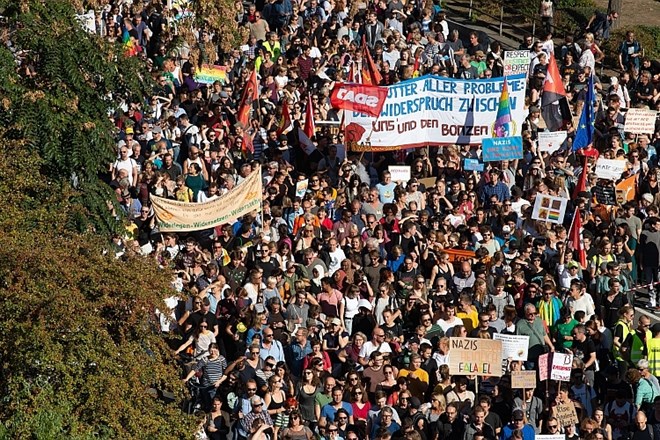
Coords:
518,423
364,321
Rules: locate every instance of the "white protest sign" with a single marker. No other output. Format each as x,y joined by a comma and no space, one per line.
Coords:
516,61
514,347
551,141
562,364
549,208
640,121
433,110
400,173
610,169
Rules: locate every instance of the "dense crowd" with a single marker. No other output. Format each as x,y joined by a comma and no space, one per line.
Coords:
328,314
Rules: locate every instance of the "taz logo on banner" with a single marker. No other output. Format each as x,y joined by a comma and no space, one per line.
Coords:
433,110
359,98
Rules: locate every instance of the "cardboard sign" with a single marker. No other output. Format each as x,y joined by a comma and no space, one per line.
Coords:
474,356
523,380
610,169
513,347
459,254
428,182
516,61
566,414
640,121
544,366
551,141
472,165
400,173
301,188
504,148
549,208
562,364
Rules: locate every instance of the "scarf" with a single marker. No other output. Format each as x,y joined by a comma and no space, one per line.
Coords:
548,311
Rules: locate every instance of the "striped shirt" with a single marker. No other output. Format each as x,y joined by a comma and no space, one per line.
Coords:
212,369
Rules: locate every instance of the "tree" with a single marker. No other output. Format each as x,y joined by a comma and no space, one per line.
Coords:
80,349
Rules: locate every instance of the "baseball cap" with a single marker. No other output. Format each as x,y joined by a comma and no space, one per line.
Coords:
518,415
572,264
506,229
364,303
129,130
157,130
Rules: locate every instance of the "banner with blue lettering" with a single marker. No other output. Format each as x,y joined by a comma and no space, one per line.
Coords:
433,110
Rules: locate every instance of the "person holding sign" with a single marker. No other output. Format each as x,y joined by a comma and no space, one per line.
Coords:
539,341
518,423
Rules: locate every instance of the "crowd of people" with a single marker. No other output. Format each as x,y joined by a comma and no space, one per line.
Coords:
328,314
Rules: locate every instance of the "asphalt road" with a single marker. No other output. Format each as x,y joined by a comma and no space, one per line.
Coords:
642,298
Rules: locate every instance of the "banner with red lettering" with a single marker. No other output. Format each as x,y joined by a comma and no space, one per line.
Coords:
433,110
359,98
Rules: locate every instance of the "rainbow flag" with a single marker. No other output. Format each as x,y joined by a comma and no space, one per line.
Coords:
503,120
209,74
130,47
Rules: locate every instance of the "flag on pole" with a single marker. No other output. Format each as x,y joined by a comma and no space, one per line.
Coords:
584,134
305,142
582,180
553,94
310,127
250,94
575,238
285,125
370,74
503,120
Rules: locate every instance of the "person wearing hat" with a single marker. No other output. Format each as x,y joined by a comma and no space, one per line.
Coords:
364,321
518,423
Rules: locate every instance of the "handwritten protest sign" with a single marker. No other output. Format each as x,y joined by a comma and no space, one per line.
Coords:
523,380
472,165
562,364
474,356
505,148
400,173
640,121
544,366
428,182
549,208
516,61
551,141
610,169
566,414
513,347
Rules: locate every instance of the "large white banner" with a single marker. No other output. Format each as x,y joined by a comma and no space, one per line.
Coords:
433,110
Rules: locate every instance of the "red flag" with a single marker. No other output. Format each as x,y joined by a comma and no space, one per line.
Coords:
250,94
582,181
359,98
352,76
309,118
575,238
553,92
370,74
285,124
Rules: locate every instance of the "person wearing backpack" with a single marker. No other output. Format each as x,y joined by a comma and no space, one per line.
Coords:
648,387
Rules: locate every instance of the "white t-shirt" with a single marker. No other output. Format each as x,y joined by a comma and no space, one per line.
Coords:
369,347
336,258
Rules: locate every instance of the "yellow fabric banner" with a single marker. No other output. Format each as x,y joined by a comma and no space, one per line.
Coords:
174,216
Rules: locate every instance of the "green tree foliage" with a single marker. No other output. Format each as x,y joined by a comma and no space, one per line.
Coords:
80,352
